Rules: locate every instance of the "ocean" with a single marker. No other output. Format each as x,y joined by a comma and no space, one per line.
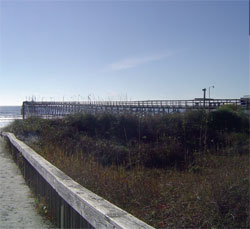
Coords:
8,114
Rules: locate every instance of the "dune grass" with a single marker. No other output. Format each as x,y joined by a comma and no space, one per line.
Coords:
175,170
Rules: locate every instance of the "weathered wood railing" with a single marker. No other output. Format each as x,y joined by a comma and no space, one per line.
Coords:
59,109
73,206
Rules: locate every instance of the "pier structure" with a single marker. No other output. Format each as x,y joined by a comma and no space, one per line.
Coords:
60,109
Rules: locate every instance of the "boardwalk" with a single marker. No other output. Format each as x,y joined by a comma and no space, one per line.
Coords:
59,109
17,208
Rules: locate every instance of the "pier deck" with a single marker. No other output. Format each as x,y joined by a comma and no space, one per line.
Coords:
60,109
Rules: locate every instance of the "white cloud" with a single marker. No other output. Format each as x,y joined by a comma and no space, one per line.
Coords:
133,62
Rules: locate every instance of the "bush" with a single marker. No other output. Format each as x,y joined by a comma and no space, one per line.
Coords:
228,119
224,120
153,141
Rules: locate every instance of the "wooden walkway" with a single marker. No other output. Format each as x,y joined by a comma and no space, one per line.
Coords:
60,109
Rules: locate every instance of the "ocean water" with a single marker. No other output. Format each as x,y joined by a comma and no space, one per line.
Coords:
8,114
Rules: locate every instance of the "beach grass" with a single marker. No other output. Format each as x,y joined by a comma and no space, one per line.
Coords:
176,170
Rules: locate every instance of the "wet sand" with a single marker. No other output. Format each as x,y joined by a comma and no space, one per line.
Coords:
17,206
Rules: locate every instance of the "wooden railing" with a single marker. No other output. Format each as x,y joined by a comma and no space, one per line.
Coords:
72,205
59,109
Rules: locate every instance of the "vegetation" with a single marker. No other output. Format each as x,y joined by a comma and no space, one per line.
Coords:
175,170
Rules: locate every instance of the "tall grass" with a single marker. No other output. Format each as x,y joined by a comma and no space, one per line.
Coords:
175,170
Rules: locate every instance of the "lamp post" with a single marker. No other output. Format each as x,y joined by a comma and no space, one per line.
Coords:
209,95
209,91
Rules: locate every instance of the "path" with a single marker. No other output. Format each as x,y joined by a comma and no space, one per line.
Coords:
17,208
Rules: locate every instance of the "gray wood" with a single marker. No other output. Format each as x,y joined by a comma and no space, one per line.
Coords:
60,109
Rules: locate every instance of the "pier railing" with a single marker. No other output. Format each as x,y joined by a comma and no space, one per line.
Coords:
72,205
59,109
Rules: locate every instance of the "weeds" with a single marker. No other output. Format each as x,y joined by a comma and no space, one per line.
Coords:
177,170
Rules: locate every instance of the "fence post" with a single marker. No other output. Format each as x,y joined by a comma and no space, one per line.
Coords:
62,214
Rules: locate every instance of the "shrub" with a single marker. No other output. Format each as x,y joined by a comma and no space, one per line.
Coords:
154,141
227,119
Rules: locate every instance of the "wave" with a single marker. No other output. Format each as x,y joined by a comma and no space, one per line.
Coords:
8,114
5,119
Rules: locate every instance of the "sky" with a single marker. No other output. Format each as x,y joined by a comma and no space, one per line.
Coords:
78,50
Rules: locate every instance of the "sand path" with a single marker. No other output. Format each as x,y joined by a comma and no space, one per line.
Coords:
17,208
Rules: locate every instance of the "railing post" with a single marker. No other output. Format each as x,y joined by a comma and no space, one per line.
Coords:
62,214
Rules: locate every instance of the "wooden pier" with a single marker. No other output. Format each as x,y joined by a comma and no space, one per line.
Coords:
60,109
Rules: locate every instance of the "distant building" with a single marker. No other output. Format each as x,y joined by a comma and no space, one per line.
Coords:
245,101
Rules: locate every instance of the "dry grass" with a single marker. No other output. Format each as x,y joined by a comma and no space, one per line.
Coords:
179,170
214,193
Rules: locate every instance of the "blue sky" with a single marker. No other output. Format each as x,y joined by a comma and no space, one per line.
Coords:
116,50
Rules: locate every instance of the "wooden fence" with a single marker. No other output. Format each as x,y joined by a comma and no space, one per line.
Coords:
59,109
72,205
